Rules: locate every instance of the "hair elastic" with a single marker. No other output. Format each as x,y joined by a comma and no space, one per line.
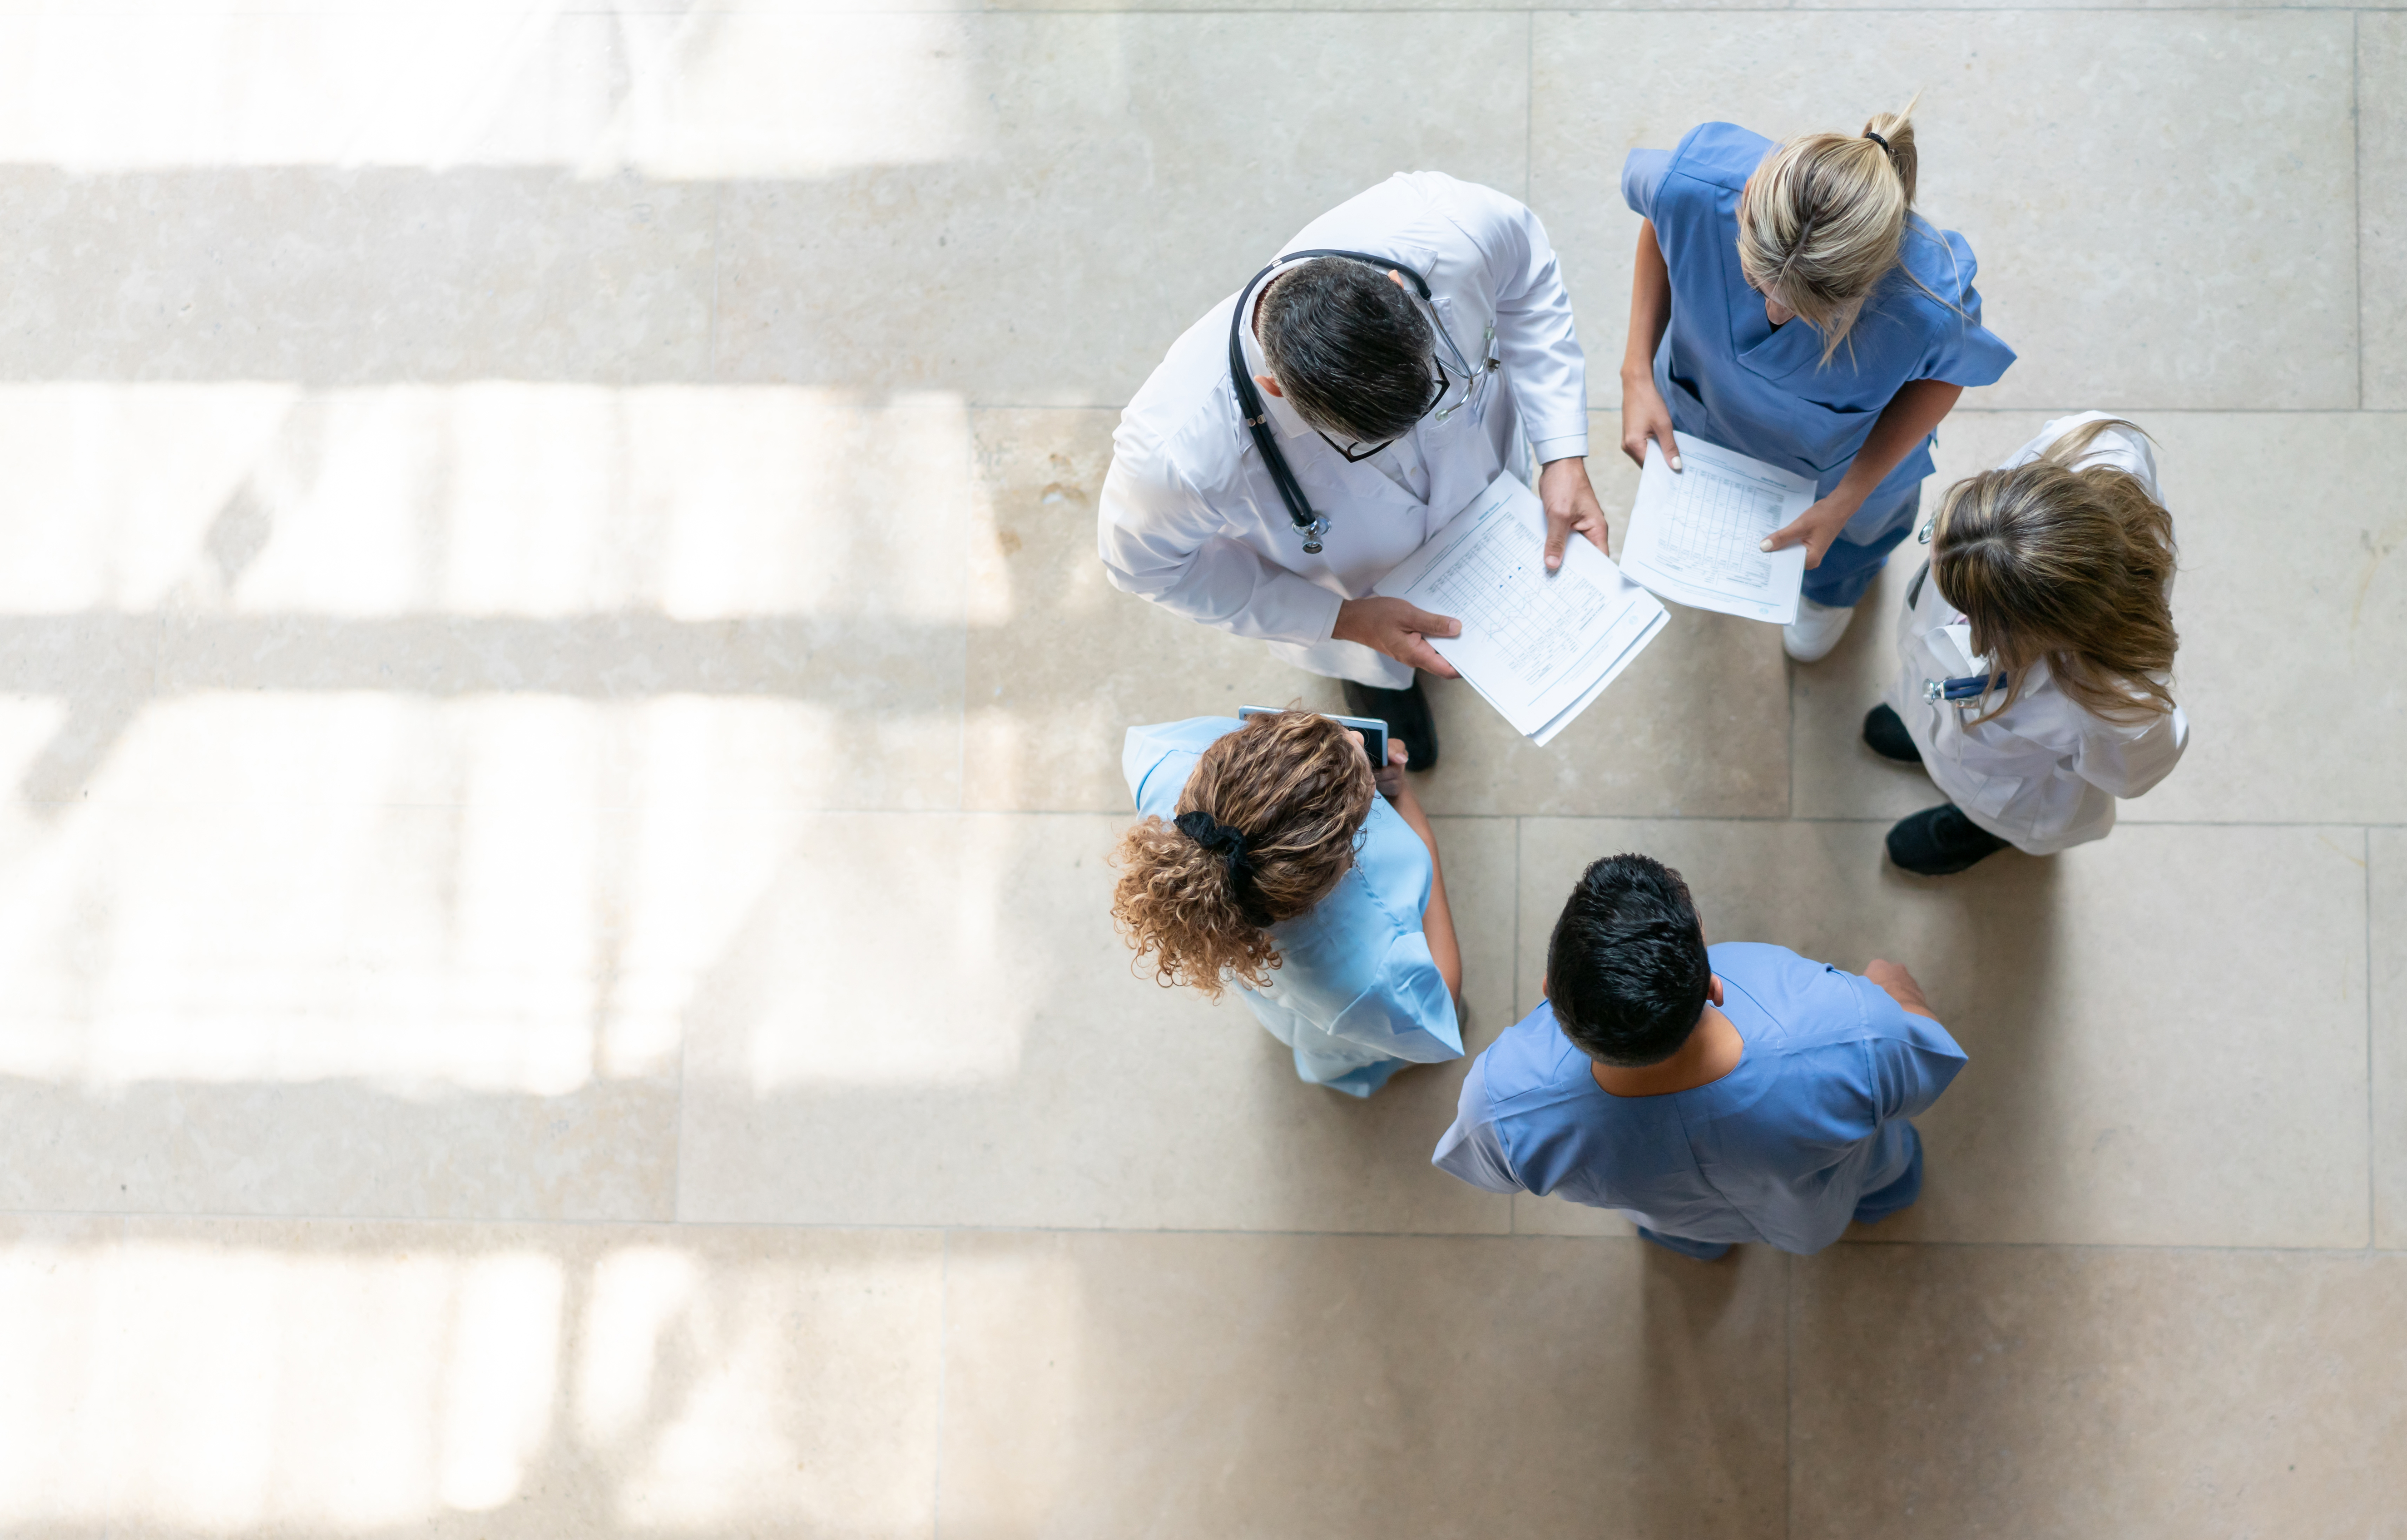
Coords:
1229,845
1877,139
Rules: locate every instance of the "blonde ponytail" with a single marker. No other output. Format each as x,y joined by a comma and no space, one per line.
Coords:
1266,828
1823,218
2071,564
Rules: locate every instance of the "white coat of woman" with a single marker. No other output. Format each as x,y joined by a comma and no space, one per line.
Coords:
2034,663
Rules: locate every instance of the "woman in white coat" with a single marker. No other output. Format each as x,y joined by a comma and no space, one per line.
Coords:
2034,677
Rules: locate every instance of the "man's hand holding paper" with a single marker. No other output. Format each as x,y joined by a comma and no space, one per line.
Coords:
1538,644
1398,628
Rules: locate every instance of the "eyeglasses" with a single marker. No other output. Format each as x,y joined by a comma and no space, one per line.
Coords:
1356,451
1473,381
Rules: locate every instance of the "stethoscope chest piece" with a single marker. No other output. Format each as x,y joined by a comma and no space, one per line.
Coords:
1308,522
1962,691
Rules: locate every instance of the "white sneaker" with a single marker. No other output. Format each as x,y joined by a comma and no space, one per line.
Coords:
1817,630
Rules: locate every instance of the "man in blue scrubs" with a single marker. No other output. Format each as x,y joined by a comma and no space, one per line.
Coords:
1736,1093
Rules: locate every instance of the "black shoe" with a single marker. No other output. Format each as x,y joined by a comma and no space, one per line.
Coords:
1406,712
1886,736
1939,841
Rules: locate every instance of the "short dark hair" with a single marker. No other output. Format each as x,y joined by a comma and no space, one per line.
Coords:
1350,351
1627,971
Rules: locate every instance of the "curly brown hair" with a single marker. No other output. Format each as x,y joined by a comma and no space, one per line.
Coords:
1298,786
2069,563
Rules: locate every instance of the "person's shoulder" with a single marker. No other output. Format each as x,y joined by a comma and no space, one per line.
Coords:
1940,269
1385,828
1192,733
1374,899
1693,182
1719,154
1473,211
1531,1064
1810,1001
1167,747
2120,445
1736,961
1442,191
1183,424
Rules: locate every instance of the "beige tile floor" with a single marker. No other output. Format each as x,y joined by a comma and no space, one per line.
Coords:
560,729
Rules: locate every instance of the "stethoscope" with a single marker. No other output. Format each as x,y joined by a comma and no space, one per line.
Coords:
1311,525
1962,688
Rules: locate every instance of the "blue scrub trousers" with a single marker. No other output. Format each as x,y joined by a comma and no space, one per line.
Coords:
1847,568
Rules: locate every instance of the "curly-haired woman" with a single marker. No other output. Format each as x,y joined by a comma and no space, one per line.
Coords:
1273,856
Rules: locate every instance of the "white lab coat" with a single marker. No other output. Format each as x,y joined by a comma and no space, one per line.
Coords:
1191,517
2044,773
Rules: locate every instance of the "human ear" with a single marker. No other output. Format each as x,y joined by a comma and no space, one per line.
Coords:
1714,990
1270,384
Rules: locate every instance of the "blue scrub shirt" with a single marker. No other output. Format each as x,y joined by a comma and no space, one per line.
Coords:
1357,995
1807,1133
1731,377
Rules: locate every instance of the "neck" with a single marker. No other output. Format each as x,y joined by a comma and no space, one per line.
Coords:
1712,1052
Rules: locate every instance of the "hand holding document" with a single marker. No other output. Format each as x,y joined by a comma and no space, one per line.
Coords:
1538,646
1696,535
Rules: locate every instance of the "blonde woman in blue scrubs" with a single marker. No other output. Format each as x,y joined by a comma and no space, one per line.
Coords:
1789,305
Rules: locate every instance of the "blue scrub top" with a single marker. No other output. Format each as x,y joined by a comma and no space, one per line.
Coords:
1357,995
1781,1149
1732,379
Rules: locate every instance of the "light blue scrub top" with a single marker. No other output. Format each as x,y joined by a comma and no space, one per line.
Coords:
1357,995
1732,379
1781,1149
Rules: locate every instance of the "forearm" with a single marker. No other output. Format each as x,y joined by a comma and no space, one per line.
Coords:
1918,407
1650,307
1437,919
1909,997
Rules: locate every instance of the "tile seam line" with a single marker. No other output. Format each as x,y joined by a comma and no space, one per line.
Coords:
2345,410
1882,819
2372,1129
1520,833
946,1230
1788,1397
944,1362
1530,123
1121,12
1879,819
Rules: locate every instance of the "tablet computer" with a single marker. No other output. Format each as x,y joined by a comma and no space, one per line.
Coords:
1373,731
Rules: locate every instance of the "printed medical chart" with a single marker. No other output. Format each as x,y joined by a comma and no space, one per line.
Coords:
1696,535
1537,646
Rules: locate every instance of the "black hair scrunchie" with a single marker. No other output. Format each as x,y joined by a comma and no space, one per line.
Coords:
1229,845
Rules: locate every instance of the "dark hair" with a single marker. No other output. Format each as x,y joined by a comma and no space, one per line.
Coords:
1626,971
1350,351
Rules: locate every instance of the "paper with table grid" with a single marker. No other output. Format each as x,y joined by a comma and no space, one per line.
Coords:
1696,535
1537,646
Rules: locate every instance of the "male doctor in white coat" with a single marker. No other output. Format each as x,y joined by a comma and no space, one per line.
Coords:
1391,411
